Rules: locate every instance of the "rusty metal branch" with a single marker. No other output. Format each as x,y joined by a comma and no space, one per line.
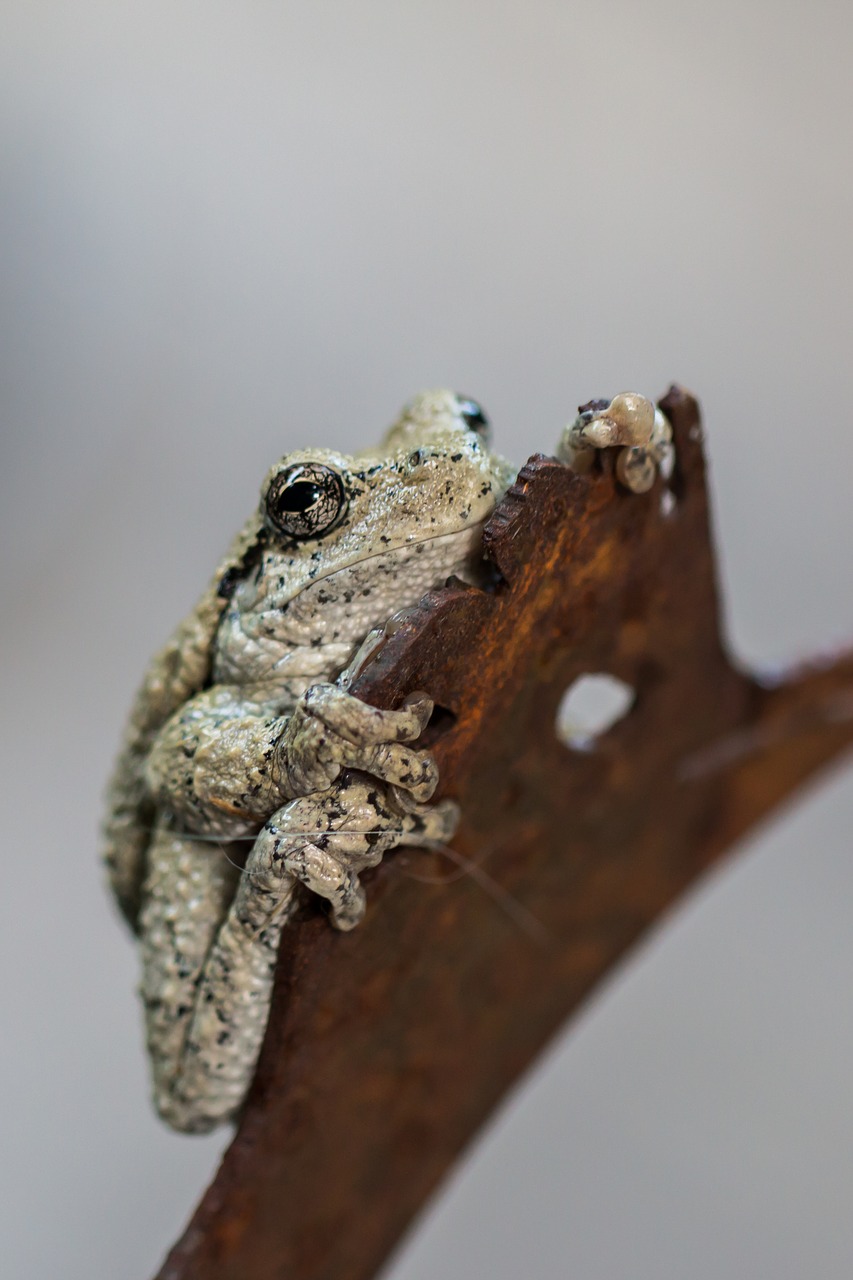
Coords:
388,1047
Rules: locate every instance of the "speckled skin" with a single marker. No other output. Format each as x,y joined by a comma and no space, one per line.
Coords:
240,737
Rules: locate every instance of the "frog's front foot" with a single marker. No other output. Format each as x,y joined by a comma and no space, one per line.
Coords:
325,840
630,423
331,730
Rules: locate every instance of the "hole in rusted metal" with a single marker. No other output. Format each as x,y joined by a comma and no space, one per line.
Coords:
591,706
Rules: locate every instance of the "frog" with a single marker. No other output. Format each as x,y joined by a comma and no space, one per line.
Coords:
250,775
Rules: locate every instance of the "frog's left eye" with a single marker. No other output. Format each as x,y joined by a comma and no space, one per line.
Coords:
474,417
306,501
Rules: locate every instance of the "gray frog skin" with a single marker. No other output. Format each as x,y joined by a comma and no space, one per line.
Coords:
244,736
239,731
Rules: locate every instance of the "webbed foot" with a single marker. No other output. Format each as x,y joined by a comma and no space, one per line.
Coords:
326,839
331,730
630,423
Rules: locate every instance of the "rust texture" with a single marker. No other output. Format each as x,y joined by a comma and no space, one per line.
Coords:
388,1047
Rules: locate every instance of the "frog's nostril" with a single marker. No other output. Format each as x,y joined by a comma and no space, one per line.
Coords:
422,463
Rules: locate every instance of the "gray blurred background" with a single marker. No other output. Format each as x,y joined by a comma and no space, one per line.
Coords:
232,229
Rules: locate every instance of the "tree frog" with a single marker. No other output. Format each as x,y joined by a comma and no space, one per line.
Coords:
244,735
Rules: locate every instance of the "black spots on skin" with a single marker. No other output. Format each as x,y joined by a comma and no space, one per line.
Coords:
456,457
228,582
235,573
334,807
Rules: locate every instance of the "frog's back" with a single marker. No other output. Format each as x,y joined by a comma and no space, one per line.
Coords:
180,669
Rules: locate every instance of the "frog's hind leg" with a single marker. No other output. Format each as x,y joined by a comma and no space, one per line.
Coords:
210,934
208,960
326,839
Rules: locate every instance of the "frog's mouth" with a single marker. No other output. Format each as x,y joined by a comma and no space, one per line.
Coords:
455,552
400,573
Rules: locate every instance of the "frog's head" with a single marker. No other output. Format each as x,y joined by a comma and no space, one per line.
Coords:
432,476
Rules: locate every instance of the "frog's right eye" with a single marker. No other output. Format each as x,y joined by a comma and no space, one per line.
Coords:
306,500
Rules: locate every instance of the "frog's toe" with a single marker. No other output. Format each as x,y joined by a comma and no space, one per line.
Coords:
627,420
349,907
400,765
429,825
636,469
331,878
361,724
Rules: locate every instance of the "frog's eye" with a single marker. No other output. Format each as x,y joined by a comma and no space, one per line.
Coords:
473,416
306,500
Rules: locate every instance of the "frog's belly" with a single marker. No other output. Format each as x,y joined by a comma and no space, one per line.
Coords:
312,636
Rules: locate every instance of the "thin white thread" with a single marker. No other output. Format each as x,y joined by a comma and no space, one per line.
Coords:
517,912
296,831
